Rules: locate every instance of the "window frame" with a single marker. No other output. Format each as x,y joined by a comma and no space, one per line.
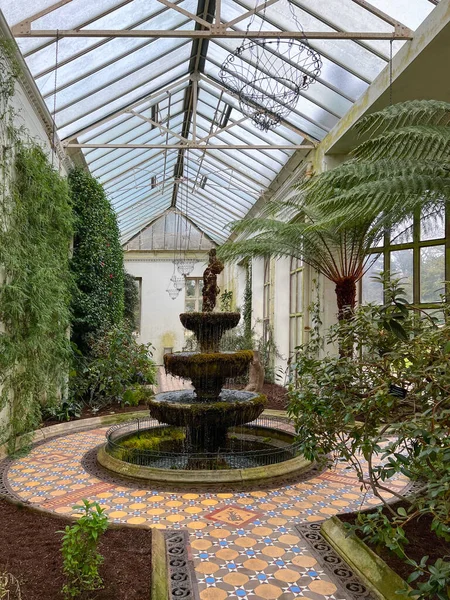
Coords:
416,245
198,296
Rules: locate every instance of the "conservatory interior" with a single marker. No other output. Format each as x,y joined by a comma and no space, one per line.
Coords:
225,328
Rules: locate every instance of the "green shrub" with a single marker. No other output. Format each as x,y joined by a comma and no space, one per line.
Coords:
97,262
79,550
114,370
385,410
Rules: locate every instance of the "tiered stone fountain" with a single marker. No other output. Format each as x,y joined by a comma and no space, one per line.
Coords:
208,411
200,436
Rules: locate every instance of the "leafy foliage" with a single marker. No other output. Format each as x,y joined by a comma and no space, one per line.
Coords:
35,231
386,410
97,262
79,550
131,301
114,370
401,165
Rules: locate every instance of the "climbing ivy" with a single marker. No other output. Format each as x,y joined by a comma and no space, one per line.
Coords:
97,262
35,233
247,308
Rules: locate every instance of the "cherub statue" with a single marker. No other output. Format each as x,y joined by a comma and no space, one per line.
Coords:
210,290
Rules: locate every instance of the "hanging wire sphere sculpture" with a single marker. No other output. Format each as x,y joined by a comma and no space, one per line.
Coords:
173,292
177,281
185,266
268,76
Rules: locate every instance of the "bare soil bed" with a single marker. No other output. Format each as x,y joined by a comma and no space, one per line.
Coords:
30,550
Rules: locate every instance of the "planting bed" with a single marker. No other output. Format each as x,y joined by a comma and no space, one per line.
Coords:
422,542
30,550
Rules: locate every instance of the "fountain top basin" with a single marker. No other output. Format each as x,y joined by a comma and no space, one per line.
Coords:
209,327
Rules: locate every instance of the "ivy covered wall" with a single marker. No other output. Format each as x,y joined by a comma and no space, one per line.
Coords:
35,234
97,262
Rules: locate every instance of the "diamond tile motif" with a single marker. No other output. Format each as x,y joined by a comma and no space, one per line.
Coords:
244,544
233,515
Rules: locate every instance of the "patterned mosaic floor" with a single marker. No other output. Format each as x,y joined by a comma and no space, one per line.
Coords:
244,544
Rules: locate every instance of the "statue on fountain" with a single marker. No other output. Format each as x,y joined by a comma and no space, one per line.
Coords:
209,410
210,289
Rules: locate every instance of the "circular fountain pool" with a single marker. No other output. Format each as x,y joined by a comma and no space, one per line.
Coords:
145,449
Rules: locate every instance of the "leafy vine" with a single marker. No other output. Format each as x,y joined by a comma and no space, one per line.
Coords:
35,233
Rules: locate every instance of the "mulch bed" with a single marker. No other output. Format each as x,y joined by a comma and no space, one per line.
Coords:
422,542
30,550
87,413
277,398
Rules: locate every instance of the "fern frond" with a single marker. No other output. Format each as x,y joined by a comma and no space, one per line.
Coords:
421,142
414,112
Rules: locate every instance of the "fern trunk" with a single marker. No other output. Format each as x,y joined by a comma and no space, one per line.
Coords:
346,301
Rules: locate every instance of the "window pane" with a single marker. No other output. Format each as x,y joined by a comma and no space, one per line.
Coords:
190,288
190,306
402,268
292,335
293,303
402,233
432,273
432,226
299,291
372,291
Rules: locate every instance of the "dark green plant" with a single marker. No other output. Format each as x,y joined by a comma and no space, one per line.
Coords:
114,370
131,301
62,411
35,232
80,551
97,261
226,301
247,308
385,410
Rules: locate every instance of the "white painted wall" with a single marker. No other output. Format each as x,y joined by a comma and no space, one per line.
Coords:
160,323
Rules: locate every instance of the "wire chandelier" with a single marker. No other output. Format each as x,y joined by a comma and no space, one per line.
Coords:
267,76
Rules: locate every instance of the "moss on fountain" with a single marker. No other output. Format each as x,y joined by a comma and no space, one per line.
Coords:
206,364
207,414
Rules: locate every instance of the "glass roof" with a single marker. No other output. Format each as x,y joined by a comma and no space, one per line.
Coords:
153,97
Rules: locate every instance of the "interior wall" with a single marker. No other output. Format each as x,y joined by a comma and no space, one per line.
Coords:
160,323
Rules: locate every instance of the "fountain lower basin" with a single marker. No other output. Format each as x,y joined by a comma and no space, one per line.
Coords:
206,423
262,450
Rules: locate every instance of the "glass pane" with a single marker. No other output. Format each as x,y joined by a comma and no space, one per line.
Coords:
432,226
299,331
190,288
292,334
432,273
190,306
402,268
293,287
372,291
402,233
299,291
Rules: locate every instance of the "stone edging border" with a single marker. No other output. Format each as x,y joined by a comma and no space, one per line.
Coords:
269,472
371,569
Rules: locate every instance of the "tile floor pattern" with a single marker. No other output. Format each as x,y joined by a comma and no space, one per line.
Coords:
244,543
